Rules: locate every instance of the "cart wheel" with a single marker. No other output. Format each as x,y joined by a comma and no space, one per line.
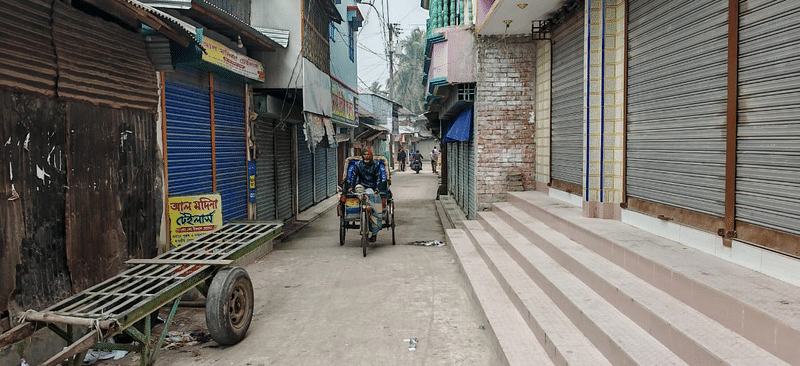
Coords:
342,229
229,305
364,231
393,242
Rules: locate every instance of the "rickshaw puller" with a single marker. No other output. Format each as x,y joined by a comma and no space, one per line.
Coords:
368,174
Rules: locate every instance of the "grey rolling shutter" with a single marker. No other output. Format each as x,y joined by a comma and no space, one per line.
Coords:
283,170
188,110
566,116
231,150
320,174
677,103
265,174
305,171
768,141
332,171
472,182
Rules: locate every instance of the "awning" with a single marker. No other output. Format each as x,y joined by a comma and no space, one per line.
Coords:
461,128
371,132
131,11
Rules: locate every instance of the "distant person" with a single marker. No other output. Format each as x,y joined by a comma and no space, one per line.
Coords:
401,156
434,159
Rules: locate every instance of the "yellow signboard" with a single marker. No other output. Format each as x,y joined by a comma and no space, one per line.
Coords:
217,54
192,216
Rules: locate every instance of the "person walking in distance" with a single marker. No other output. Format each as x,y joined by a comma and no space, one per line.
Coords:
434,159
401,156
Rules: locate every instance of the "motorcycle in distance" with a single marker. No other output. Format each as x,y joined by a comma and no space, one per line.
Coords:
416,165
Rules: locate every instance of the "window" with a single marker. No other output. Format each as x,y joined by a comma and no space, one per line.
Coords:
352,36
332,32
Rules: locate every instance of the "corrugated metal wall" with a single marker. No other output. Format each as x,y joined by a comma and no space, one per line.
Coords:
320,174
472,198
768,141
115,207
677,103
33,264
284,162
305,172
188,109
29,59
101,63
265,178
230,142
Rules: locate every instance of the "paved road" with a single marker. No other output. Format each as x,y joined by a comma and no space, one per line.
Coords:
318,303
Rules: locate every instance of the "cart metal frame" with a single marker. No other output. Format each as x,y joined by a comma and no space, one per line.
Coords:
116,305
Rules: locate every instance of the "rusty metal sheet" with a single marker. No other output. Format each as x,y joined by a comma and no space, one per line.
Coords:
33,267
113,203
100,62
28,62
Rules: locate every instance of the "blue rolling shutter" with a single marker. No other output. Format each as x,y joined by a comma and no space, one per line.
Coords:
229,116
188,110
320,174
265,178
305,172
332,171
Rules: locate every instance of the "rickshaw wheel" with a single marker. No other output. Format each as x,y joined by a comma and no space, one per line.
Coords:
364,231
229,305
392,211
342,229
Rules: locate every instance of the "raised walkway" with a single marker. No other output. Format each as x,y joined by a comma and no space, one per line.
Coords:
556,287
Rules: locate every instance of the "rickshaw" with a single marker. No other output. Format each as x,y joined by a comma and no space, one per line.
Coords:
353,207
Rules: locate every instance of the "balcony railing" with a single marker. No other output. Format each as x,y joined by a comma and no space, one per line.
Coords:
443,13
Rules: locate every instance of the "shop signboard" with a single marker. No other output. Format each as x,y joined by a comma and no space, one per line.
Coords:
192,216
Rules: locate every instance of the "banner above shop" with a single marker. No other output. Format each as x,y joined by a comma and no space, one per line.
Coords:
219,59
219,55
344,104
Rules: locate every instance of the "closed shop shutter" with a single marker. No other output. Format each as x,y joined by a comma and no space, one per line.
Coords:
566,117
265,175
320,174
305,172
472,184
188,110
230,145
283,170
768,141
332,171
463,166
677,103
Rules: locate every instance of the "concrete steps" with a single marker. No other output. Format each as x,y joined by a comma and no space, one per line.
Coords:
596,292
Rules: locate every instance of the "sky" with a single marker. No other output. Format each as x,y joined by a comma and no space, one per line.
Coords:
373,62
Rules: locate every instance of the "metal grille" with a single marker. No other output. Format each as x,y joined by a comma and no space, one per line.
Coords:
567,101
305,172
320,174
768,141
136,292
677,103
188,109
283,170
265,176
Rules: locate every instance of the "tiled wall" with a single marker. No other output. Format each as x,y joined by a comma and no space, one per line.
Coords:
606,65
543,83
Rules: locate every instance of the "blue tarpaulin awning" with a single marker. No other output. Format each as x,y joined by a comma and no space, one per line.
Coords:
461,128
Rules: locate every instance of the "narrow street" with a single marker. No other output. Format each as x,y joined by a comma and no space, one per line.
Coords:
318,303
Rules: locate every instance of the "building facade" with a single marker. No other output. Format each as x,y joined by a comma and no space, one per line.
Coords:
670,117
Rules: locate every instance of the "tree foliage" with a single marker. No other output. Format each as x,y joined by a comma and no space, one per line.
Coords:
407,88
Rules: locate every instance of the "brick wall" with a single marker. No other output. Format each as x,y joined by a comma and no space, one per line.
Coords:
504,115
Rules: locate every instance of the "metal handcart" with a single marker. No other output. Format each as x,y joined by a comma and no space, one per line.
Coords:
126,302
353,207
